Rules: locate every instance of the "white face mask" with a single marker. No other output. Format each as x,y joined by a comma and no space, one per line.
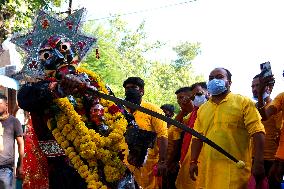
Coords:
264,96
199,100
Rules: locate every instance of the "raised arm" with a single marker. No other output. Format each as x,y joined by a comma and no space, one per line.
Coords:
34,96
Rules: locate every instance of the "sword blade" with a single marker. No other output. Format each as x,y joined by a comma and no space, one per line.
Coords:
168,120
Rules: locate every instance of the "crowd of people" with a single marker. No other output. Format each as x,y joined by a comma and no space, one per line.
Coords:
250,130
78,138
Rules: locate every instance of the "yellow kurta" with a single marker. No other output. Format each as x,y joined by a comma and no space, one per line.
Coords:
183,180
174,134
144,176
229,124
278,102
272,130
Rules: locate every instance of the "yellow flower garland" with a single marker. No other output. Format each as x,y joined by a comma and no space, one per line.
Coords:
79,142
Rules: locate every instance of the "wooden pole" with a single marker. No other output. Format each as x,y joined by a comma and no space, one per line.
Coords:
12,101
70,7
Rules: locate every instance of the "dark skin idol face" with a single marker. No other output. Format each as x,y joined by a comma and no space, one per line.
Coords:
58,56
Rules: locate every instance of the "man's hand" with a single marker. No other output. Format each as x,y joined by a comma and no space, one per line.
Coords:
193,171
19,172
264,82
71,84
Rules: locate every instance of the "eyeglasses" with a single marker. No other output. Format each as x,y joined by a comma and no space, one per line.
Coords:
199,94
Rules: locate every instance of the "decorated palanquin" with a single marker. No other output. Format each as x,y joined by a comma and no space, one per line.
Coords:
81,137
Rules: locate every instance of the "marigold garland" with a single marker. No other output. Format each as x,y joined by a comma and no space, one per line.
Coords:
80,143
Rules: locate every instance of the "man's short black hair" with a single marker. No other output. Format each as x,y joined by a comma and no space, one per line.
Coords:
183,89
201,84
134,80
229,75
168,107
256,76
3,97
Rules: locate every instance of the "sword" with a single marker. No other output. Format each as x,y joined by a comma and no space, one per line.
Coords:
204,139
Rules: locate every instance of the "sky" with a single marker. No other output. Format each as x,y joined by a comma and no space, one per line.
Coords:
235,34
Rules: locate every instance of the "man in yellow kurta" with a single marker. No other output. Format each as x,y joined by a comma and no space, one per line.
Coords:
199,96
276,107
272,131
230,121
134,90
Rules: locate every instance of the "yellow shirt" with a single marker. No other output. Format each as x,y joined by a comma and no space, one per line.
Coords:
150,123
183,180
174,134
272,130
230,124
145,175
278,103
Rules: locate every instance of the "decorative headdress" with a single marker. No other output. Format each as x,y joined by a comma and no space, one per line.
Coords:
49,30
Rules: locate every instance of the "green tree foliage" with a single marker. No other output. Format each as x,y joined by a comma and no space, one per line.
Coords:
171,76
16,15
122,54
186,52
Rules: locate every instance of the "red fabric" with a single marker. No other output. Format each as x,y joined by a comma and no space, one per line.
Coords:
187,136
34,163
262,185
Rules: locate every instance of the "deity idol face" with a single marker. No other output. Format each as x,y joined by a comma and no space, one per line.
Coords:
58,56
96,114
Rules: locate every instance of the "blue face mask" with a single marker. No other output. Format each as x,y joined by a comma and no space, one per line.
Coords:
199,100
216,86
264,96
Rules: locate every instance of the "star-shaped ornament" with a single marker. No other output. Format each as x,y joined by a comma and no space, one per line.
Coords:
45,28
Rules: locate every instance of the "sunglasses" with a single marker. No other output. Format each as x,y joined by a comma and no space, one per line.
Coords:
196,94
